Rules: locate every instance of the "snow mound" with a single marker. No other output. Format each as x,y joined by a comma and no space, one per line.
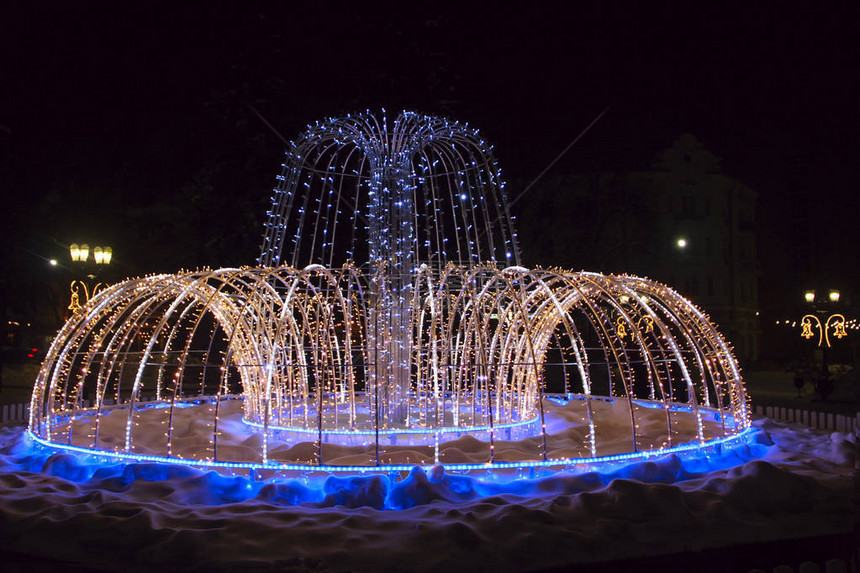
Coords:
787,482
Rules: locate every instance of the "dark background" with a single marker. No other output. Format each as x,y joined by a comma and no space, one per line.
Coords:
132,124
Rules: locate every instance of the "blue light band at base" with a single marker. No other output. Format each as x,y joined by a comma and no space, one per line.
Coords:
711,447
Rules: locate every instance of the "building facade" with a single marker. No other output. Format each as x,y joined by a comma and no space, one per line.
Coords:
706,231
682,222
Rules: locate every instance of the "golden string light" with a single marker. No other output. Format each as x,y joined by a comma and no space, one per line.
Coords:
291,343
439,335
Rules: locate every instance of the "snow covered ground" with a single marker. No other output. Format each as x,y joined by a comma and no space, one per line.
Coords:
789,482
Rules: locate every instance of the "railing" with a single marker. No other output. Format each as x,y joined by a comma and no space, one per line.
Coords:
819,420
14,414
18,414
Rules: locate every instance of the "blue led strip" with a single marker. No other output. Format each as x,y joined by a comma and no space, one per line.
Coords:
719,443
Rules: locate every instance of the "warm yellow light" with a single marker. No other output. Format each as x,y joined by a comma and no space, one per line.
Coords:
839,327
809,296
620,328
84,251
682,243
75,252
107,254
98,255
527,309
834,296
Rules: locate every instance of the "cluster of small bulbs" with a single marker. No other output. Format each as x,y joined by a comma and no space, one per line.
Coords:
478,339
440,330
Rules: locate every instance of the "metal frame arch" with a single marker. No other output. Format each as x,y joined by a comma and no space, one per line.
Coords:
428,338
667,335
197,289
412,136
719,353
70,348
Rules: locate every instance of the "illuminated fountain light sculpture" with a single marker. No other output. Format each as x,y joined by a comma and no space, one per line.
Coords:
437,342
426,191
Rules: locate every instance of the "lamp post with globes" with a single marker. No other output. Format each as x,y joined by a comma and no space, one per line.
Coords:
823,324
82,289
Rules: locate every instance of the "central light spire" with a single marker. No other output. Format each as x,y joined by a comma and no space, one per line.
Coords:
392,195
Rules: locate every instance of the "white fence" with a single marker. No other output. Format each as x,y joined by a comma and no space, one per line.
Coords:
14,414
819,420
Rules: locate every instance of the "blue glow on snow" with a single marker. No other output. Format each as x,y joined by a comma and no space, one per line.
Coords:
708,448
388,488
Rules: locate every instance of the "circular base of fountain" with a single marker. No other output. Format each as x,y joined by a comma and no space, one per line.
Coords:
571,442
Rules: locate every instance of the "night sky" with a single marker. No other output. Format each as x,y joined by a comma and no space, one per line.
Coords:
132,123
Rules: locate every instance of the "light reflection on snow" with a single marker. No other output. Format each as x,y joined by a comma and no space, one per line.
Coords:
396,487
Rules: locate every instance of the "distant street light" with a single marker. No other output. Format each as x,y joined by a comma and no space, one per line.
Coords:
102,256
826,322
80,253
81,291
681,243
834,322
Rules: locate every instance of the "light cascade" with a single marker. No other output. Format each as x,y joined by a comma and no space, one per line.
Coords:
437,335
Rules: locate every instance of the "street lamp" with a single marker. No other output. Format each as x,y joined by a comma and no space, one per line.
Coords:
826,322
80,290
81,253
835,321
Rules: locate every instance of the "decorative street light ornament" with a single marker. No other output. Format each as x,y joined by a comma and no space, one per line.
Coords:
388,325
81,290
836,322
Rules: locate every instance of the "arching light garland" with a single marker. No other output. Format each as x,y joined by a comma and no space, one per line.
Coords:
439,333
